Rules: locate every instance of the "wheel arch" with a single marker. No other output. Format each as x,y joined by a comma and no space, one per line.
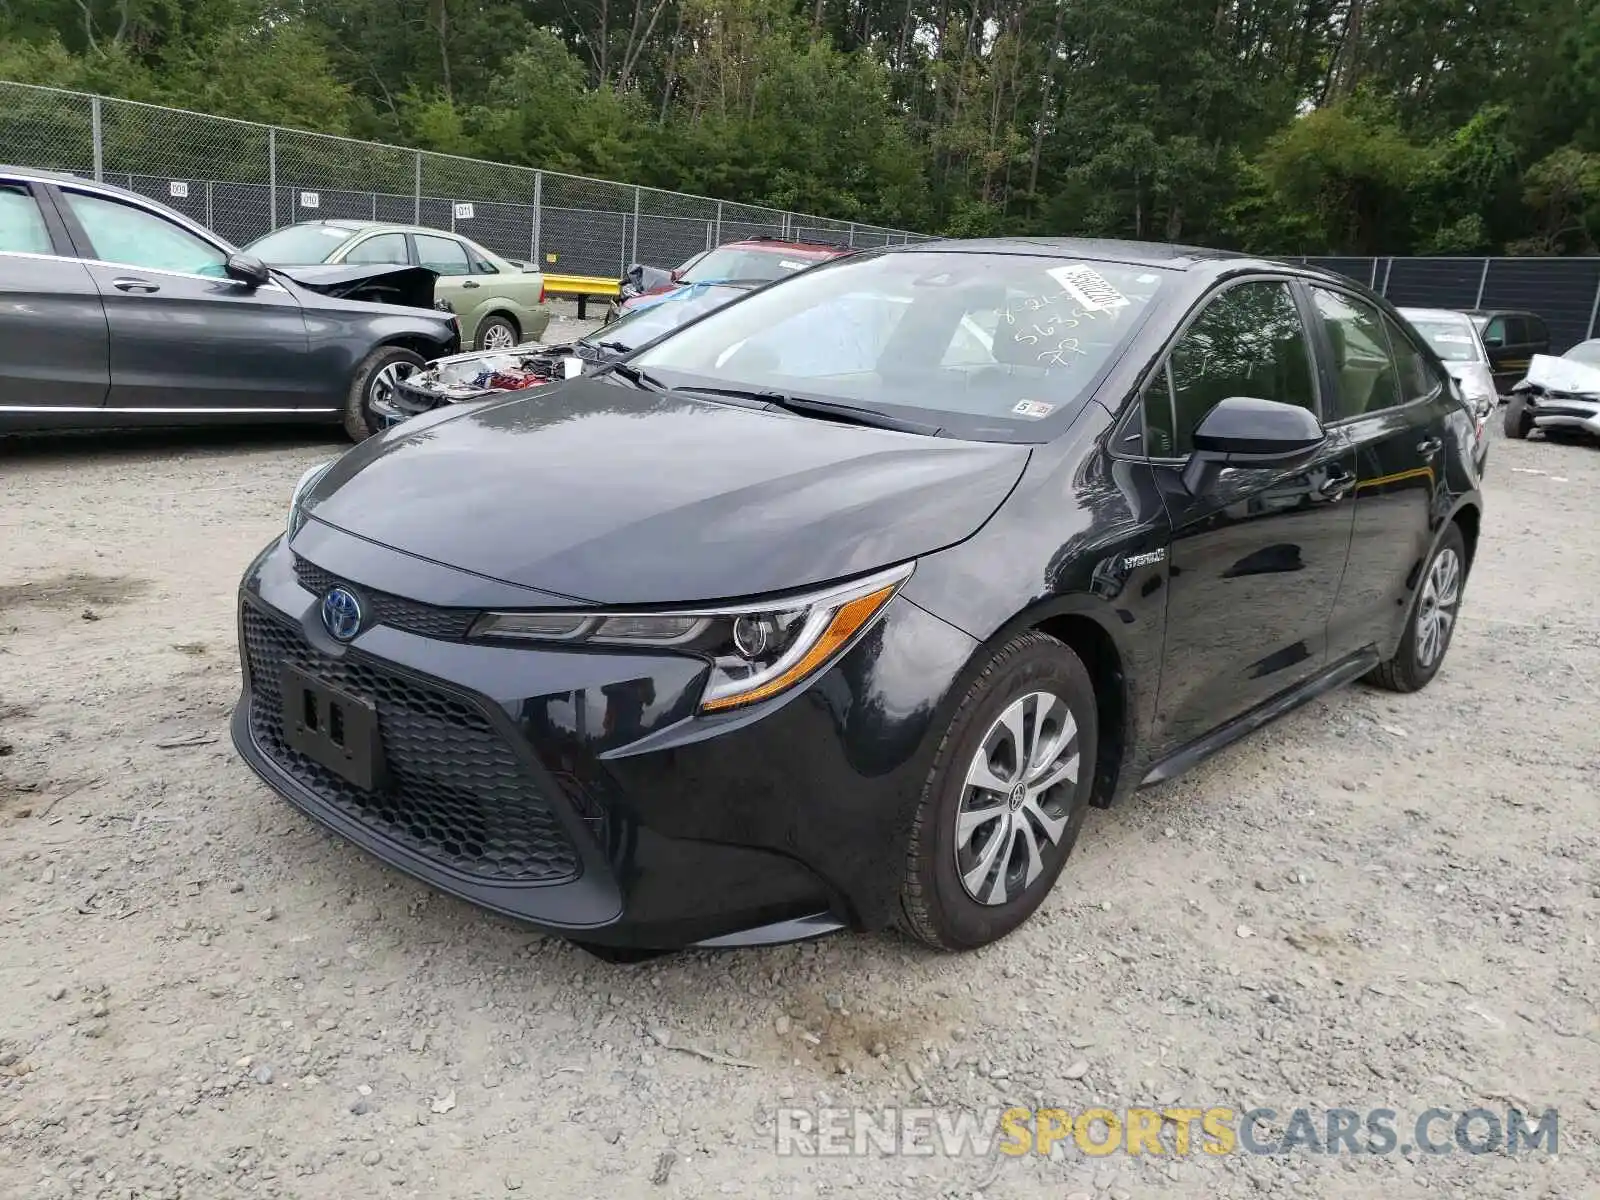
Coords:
1076,622
1098,651
414,342
504,314
1469,516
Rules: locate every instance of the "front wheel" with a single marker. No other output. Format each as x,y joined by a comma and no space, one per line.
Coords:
1518,420
1006,797
1432,621
374,384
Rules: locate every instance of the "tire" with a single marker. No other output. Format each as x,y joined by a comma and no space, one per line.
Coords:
1418,659
499,330
1518,421
371,377
949,898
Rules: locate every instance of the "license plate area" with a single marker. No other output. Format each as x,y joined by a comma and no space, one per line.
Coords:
333,728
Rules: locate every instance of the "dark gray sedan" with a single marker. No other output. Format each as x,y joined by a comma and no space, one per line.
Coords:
117,311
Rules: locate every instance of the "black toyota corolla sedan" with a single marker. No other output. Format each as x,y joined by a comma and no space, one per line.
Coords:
839,606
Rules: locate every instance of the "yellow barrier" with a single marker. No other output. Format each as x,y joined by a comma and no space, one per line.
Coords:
583,287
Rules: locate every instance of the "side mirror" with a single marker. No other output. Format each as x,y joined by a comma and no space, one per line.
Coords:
1493,341
1243,431
248,269
675,274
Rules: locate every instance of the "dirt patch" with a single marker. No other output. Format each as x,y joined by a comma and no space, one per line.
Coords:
72,590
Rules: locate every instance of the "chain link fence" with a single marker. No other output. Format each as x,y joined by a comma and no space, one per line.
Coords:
243,180
1564,291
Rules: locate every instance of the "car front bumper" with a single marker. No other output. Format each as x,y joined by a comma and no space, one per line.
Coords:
579,790
1565,411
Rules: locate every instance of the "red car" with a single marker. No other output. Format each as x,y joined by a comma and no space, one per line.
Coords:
754,259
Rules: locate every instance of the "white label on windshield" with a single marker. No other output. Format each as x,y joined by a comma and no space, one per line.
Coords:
789,265
574,367
1033,409
1091,290
1454,339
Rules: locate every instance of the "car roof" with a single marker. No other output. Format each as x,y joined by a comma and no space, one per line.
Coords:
1434,313
1502,312
40,175
788,246
1156,254
359,225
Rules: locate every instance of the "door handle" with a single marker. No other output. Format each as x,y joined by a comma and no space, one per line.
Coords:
470,284
1428,447
142,286
1335,487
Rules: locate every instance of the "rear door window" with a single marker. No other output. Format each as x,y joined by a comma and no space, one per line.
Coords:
22,227
384,248
1418,378
446,256
1365,371
480,261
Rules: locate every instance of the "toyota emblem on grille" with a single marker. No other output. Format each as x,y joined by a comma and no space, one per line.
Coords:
341,613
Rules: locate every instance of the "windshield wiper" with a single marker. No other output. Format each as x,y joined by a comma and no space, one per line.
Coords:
806,406
622,347
639,379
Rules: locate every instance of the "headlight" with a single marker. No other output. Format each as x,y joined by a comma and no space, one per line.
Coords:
297,518
756,651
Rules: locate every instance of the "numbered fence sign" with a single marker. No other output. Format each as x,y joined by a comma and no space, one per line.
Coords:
463,212
178,189
310,200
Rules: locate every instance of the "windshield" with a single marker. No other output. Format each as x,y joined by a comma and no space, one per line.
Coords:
735,262
659,315
1006,338
299,245
1587,353
1452,339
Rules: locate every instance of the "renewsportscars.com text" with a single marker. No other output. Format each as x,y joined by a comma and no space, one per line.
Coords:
1175,1131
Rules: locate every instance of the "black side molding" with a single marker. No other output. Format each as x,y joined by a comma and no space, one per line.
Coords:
1185,757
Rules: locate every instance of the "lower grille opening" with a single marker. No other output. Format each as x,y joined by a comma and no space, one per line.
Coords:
456,793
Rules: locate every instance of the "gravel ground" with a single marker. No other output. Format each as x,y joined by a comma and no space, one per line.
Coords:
1379,901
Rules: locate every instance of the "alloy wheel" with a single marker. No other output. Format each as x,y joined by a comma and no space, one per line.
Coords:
1436,613
383,382
498,337
1016,801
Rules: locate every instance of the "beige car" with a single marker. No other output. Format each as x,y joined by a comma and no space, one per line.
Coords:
500,303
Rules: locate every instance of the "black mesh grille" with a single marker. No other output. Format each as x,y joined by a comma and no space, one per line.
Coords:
456,794
397,612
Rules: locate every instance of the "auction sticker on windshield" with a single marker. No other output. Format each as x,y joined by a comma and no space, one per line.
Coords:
1092,290
1033,408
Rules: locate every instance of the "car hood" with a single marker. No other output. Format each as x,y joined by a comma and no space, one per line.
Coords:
610,495
411,287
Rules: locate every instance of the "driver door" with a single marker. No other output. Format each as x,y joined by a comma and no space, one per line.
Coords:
1257,557
184,337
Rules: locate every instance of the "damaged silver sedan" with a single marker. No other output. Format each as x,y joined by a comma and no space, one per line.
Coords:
466,377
